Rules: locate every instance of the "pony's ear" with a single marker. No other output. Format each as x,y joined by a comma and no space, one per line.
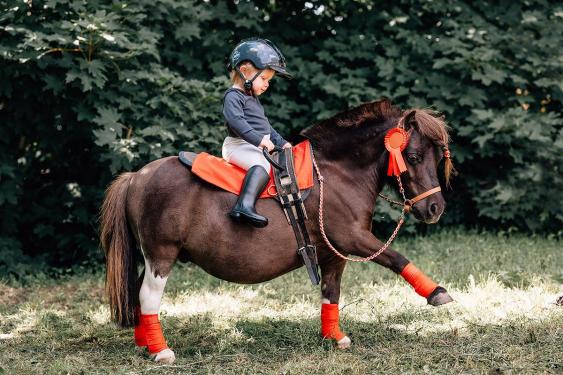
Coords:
410,120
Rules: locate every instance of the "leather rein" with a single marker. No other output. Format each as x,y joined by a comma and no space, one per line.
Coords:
407,206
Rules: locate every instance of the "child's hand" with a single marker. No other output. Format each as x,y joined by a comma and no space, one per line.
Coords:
287,145
266,143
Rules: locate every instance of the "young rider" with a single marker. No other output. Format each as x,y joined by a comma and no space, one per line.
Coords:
252,64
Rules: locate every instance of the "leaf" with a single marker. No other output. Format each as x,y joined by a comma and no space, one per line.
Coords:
107,117
105,136
482,139
483,114
96,70
187,31
53,83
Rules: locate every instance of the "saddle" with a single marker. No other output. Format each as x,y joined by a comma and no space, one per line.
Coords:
219,172
291,180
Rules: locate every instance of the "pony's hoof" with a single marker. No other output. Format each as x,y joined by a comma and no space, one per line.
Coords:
165,356
439,297
344,343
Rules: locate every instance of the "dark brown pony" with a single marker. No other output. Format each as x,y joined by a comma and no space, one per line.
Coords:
165,213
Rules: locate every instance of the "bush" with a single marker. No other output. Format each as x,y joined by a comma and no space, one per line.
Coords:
90,89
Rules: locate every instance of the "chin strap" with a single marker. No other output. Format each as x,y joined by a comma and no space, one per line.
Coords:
248,82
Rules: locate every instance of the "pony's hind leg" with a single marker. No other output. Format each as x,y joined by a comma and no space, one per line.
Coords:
331,275
148,331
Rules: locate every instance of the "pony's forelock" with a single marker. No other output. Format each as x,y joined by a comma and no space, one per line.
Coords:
432,125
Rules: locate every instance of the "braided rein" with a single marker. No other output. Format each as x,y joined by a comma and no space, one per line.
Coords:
400,221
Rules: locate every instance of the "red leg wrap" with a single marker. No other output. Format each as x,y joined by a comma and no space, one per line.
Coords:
329,322
421,283
153,333
140,335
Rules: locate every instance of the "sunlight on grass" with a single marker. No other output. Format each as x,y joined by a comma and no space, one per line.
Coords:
488,302
27,319
100,315
504,318
24,321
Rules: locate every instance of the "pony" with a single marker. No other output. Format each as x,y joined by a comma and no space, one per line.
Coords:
163,213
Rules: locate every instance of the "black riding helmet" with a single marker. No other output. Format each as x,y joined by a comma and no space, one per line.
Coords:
262,53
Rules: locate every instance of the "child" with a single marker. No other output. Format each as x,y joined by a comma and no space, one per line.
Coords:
252,64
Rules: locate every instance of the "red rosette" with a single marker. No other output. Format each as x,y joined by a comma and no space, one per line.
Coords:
396,140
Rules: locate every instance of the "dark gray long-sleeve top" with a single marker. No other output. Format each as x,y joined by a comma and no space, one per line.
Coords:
245,118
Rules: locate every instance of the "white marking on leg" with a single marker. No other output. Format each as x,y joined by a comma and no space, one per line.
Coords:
325,301
344,343
164,356
151,291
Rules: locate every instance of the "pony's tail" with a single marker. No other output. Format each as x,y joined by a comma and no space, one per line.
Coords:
119,246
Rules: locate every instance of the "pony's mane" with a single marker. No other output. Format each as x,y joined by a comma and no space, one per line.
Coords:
430,124
379,110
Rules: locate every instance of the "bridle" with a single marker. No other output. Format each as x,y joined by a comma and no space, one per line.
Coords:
393,169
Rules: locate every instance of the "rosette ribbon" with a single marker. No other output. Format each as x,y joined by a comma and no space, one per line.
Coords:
396,140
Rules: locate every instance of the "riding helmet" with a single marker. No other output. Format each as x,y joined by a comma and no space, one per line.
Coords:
262,53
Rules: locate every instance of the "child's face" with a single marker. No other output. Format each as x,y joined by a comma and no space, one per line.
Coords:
262,82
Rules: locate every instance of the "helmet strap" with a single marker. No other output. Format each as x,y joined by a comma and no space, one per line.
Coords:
248,82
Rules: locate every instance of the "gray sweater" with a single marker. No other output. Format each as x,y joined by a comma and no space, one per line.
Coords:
245,118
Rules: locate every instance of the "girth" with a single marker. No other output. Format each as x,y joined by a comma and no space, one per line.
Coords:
294,209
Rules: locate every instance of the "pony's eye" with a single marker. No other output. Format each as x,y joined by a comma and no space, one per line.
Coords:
414,158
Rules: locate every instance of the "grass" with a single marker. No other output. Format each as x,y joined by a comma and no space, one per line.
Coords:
504,319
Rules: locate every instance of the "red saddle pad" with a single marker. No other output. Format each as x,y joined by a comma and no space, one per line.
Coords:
229,177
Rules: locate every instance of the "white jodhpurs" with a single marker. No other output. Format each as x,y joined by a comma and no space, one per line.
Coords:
243,154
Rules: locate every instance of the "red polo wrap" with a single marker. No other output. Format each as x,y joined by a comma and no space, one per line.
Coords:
422,284
329,322
149,333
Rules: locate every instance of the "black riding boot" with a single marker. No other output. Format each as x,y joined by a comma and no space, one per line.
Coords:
253,185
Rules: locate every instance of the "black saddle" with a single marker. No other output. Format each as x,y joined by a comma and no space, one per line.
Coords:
187,158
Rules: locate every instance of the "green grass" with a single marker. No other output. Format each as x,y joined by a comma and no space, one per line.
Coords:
504,319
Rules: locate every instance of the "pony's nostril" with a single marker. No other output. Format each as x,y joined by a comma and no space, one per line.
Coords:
433,209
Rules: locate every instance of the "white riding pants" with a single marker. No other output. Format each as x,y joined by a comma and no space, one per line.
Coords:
243,154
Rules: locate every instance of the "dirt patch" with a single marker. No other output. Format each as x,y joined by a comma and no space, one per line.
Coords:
11,296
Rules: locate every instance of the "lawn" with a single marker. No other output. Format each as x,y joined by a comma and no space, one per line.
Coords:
504,320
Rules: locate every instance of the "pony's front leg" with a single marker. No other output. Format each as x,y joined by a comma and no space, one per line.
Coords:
148,331
366,243
331,275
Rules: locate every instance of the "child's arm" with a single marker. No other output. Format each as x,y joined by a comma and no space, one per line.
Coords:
276,138
232,110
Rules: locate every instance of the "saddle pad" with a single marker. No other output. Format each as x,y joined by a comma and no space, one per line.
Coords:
229,177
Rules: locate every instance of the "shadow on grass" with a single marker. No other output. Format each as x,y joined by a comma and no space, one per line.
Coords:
515,345
204,342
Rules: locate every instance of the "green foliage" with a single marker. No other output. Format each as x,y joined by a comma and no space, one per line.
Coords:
90,89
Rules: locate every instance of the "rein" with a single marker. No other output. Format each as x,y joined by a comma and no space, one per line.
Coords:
407,205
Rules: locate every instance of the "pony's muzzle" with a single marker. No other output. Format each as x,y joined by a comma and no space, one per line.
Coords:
434,210
429,211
